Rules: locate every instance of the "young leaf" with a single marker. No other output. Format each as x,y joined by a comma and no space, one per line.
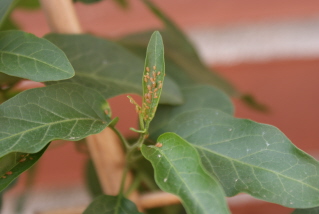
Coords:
250,157
33,118
314,210
178,170
108,67
153,78
195,97
107,204
27,56
13,164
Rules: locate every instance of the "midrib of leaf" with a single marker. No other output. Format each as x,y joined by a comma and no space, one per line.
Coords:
49,124
18,55
118,204
155,49
176,172
252,166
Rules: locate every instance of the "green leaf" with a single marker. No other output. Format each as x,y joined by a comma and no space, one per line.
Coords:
13,164
153,78
195,97
106,204
33,118
250,157
27,56
108,67
178,170
314,210
5,8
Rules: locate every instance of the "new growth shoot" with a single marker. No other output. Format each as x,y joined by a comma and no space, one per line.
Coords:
152,81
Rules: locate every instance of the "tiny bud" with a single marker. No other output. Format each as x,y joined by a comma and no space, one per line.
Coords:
22,160
159,145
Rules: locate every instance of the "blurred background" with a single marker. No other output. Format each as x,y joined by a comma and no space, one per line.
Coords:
269,49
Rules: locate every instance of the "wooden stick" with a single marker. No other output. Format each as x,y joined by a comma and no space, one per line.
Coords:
158,199
61,16
75,210
105,148
109,160
147,201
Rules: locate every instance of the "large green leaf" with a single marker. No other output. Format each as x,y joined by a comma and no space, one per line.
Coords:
27,56
106,204
37,116
108,67
250,157
13,164
195,97
178,170
307,211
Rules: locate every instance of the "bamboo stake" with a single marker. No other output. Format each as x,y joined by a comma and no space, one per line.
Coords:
61,16
158,199
147,201
105,148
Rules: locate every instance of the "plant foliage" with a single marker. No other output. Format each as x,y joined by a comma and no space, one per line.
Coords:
196,148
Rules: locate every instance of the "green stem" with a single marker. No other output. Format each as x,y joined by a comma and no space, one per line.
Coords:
122,138
121,192
134,185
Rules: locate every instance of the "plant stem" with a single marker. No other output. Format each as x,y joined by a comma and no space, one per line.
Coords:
121,191
122,138
134,185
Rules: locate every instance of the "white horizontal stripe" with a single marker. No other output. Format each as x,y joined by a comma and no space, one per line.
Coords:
257,42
